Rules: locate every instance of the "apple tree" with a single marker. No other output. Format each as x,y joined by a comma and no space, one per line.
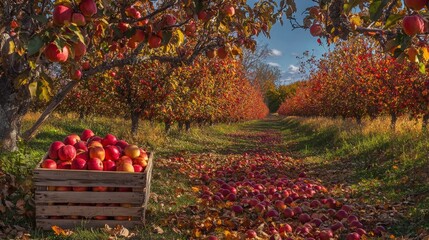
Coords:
42,38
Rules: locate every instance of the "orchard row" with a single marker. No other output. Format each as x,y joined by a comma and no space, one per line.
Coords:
209,91
355,80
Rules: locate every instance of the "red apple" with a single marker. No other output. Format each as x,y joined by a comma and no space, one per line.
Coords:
211,53
316,30
95,164
122,144
138,168
64,164
229,10
53,149
415,4
353,236
49,163
124,159
133,12
109,165
139,36
67,153
80,189
71,139
78,164
62,14
53,53
109,139
154,41
94,144
140,161
76,74
81,145
125,189
125,167
144,154
413,25
123,26
251,234
78,19
63,188
85,66
112,153
97,152
83,155
289,213
190,29
169,19
326,235
132,151
285,228
79,49
303,218
222,53
88,8
202,15
99,189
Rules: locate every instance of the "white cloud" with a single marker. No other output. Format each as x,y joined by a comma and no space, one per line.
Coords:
275,52
273,64
293,69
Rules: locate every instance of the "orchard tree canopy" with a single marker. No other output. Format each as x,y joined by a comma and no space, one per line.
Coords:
401,29
76,39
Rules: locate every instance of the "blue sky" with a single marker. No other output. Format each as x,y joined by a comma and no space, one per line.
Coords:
287,44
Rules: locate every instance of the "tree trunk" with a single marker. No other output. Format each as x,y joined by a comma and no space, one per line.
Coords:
180,126
135,118
14,105
81,115
167,126
188,126
393,119
359,120
425,121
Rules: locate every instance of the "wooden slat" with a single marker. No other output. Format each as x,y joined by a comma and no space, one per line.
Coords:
87,211
54,177
148,172
88,197
47,224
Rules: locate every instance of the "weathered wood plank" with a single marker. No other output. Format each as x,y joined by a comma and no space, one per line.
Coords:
88,197
148,172
87,211
54,177
47,224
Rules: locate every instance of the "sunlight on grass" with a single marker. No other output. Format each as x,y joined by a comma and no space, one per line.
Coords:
382,166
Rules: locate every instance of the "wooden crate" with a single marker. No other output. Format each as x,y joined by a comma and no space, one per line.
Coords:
68,209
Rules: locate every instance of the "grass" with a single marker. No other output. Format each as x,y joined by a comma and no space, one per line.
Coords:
381,169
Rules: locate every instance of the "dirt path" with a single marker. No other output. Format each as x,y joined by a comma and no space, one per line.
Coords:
260,192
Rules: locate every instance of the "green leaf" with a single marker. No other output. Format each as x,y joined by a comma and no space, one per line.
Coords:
166,37
422,68
392,20
21,79
34,45
350,4
44,87
41,18
376,9
76,30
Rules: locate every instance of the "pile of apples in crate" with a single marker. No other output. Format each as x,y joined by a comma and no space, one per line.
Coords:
90,152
